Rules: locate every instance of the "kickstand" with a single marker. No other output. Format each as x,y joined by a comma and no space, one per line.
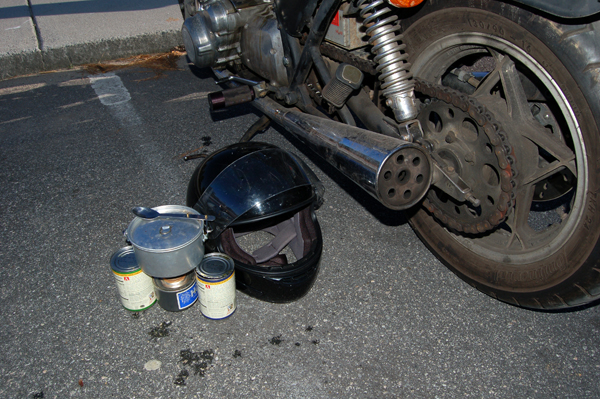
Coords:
259,126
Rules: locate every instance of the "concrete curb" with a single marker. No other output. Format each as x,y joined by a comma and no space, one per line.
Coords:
45,35
13,65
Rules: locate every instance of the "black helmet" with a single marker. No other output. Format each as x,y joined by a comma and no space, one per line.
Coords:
256,190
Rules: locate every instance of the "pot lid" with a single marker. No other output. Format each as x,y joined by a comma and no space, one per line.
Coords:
164,234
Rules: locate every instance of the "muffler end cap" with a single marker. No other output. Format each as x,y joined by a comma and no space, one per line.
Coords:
404,177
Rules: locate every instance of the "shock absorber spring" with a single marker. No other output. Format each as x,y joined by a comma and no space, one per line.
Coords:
393,69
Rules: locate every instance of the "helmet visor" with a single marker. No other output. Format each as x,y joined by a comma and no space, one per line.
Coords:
261,184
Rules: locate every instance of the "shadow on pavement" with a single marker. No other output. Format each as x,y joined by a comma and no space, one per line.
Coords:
82,7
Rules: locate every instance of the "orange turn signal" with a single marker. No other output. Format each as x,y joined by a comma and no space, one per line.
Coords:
405,3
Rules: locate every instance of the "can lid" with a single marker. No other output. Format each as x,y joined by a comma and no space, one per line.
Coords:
215,265
165,234
123,261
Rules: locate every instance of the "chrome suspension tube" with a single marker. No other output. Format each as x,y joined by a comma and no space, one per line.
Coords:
393,68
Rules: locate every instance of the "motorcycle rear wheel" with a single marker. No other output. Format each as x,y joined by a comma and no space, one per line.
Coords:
546,255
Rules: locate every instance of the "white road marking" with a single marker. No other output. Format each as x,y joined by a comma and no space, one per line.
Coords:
112,92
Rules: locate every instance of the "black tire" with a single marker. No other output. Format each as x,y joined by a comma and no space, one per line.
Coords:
549,267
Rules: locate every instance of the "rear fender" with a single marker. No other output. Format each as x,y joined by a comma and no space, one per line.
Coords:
565,9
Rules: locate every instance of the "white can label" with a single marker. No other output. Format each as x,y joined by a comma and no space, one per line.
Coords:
217,299
135,289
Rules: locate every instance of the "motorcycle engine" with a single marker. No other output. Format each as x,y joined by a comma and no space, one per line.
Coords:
236,31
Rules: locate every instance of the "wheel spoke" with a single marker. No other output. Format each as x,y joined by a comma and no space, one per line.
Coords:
519,110
563,154
516,99
517,221
548,170
487,84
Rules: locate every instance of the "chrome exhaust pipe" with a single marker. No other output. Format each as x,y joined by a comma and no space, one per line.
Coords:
396,172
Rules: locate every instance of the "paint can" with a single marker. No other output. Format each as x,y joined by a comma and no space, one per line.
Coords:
175,294
135,287
215,280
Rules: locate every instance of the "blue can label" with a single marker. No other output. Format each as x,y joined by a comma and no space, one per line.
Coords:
187,298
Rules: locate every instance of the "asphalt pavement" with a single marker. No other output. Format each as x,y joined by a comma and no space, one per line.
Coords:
384,318
44,35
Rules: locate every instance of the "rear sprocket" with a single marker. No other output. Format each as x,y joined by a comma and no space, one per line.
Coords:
470,142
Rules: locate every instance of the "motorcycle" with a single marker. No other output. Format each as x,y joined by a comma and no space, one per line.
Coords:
479,118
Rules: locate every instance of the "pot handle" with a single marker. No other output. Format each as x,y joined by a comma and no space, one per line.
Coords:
127,241
206,232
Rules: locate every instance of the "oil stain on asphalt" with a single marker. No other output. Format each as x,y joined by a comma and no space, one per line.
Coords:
160,331
199,362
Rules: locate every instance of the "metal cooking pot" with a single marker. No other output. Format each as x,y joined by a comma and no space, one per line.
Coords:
167,247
